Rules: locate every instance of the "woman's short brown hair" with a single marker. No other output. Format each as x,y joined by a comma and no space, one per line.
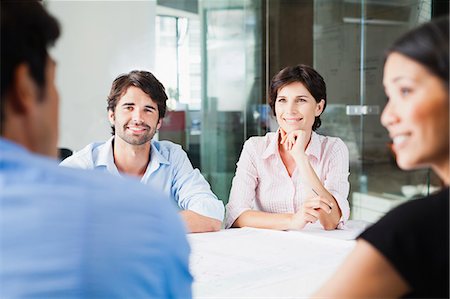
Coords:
304,74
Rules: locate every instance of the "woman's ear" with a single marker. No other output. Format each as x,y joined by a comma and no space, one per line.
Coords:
319,107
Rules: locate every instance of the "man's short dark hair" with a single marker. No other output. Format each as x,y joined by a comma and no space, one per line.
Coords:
143,80
304,74
27,30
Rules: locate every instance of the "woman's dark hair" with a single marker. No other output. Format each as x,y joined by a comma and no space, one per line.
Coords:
304,74
143,80
27,30
427,45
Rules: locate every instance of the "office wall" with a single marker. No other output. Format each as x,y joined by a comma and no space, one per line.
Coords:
99,41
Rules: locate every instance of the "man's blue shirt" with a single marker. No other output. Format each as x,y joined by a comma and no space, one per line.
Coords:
67,233
169,171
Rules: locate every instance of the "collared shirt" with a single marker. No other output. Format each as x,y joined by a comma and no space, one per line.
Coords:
262,182
69,233
169,170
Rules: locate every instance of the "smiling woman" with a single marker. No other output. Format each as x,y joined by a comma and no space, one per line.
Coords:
416,113
293,177
406,252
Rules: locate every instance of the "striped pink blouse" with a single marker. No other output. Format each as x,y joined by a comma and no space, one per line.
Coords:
262,182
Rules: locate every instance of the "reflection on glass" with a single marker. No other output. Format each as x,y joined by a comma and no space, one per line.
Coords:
232,83
178,60
357,33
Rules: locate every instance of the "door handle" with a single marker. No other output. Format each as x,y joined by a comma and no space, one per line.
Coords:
362,110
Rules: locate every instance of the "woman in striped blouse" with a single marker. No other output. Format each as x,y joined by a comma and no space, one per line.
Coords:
287,179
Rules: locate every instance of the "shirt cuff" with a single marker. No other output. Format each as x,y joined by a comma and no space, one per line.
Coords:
212,208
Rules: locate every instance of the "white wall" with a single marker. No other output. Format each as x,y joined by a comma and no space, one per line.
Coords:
99,41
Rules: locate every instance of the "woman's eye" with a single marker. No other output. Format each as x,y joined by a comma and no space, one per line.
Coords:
281,100
405,91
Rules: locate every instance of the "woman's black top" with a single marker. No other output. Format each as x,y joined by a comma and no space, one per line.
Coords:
414,237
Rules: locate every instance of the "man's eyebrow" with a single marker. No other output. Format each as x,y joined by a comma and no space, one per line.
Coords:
128,104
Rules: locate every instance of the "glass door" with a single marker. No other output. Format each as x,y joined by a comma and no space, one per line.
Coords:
245,42
350,38
231,56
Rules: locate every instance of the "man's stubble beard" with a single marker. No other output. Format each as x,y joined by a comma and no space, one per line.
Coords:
135,140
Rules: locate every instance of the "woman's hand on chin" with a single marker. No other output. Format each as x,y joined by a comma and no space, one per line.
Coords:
296,141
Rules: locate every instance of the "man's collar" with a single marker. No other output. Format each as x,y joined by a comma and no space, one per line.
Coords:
105,157
156,159
106,154
155,153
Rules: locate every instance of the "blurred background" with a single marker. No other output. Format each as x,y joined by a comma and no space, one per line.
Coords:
216,58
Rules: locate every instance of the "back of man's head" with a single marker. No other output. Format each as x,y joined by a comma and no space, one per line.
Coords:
68,233
27,30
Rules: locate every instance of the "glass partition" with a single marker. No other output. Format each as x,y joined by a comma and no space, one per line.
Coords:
243,43
357,33
231,106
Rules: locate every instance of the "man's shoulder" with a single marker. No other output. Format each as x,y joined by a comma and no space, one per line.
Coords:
99,189
168,149
86,179
83,158
162,145
94,211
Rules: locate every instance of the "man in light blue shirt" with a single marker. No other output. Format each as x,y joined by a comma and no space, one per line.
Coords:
68,233
136,107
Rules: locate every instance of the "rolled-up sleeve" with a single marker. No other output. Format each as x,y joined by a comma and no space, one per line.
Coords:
243,189
336,181
193,192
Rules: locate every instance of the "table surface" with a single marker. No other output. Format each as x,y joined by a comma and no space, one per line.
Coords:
255,263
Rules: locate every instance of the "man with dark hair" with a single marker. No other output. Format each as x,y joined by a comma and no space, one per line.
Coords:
68,233
136,107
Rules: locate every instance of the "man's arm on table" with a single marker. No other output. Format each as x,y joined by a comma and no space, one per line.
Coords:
197,223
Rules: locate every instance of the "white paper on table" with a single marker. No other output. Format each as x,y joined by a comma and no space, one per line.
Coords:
251,262
350,231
